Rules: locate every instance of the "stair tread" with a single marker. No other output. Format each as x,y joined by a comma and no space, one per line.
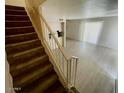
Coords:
14,9
17,21
56,88
21,43
9,36
42,84
20,66
48,83
18,27
15,15
27,78
19,69
15,12
11,17
22,46
19,30
27,51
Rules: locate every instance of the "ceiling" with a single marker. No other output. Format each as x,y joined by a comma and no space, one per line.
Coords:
82,8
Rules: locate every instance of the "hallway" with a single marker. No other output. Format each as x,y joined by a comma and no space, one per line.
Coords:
97,67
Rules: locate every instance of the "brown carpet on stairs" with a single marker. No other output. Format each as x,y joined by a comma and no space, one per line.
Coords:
30,67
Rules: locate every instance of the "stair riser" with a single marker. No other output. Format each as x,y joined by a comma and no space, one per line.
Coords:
36,64
20,38
14,31
16,18
17,23
23,47
14,7
26,57
15,12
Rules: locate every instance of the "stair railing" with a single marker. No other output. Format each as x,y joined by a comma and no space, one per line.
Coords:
67,65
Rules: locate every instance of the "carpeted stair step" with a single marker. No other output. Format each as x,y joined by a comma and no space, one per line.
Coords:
20,37
42,84
56,88
14,7
27,78
16,17
15,12
17,23
27,66
18,30
22,46
26,55
30,66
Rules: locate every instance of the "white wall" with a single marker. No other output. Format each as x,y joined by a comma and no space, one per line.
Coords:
52,16
109,33
74,29
92,31
102,31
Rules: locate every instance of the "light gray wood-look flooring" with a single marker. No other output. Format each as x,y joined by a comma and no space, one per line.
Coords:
97,67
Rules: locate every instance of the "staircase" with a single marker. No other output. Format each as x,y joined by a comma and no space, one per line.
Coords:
30,67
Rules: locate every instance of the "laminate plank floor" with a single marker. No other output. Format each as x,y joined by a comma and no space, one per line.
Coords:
97,67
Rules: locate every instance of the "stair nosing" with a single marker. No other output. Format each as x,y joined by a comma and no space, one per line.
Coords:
27,51
18,27
15,10
9,36
21,43
17,21
15,15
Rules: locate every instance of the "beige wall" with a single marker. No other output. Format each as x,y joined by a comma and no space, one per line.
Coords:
8,79
15,2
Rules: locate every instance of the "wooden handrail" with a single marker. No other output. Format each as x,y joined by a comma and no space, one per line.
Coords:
67,56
